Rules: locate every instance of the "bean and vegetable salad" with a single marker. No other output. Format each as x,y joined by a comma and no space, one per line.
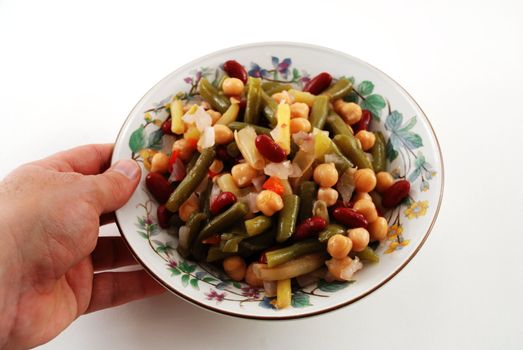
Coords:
276,184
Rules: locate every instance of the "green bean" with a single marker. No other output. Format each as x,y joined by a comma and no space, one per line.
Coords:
252,245
206,199
337,125
212,95
226,219
195,222
233,150
339,89
350,148
215,254
281,256
319,208
252,109
191,181
246,248
287,217
307,193
192,161
369,255
257,225
231,245
218,81
330,231
259,129
271,87
342,163
379,160
319,111
269,108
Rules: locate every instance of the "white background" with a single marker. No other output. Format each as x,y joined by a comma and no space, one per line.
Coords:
70,72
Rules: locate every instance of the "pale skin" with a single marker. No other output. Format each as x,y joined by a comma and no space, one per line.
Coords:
50,252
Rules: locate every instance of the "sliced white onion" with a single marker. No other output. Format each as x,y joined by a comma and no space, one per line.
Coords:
280,170
347,272
270,288
345,185
215,192
167,143
208,137
333,158
304,141
275,133
295,170
178,172
250,200
258,181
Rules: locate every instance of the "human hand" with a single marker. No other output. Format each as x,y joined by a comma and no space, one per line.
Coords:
50,253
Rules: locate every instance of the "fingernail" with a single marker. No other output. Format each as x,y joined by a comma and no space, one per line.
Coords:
127,167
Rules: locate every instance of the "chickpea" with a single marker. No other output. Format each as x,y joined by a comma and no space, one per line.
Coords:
366,138
339,246
284,95
215,115
383,181
185,149
326,175
187,208
216,166
222,134
160,163
269,202
300,124
359,237
378,229
367,208
361,195
364,180
350,111
299,110
235,267
251,278
328,195
232,87
242,174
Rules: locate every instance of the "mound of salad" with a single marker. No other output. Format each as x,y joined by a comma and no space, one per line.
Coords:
274,183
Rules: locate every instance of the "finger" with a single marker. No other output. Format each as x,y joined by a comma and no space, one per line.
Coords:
111,190
116,288
111,253
87,160
107,218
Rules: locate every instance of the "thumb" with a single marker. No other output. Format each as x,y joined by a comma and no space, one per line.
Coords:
114,187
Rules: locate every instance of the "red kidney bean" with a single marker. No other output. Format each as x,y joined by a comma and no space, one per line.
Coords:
222,154
166,127
364,122
270,149
309,227
164,215
319,83
235,70
349,217
158,186
395,194
222,202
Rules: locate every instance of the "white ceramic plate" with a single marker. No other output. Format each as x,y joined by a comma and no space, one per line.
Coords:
413,152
